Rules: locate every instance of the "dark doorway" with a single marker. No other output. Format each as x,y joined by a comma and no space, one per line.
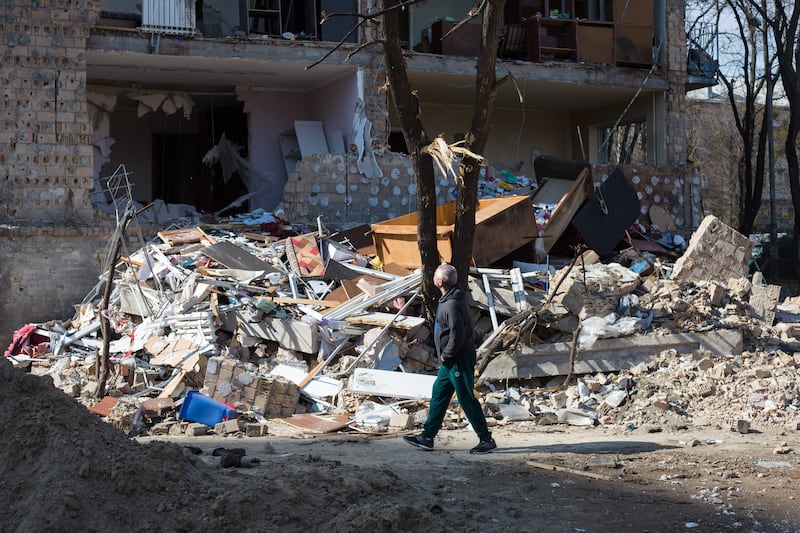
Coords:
179,174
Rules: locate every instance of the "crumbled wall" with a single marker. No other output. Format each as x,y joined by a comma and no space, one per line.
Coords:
45,134
678,190
331,186
716,251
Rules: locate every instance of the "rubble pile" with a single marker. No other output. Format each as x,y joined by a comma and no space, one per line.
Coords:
224,328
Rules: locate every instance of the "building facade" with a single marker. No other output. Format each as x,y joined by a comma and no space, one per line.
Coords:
216,106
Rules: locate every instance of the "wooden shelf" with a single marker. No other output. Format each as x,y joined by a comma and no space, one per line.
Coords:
551,38
611,32
264,16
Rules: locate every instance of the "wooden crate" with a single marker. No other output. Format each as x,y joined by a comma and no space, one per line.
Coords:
502,225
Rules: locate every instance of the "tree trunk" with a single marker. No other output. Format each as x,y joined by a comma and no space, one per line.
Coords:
476,139
784,27
408,110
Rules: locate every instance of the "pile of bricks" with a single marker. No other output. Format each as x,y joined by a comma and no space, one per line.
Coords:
228,381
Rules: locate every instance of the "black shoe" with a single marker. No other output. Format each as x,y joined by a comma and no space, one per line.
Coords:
485,446
420,441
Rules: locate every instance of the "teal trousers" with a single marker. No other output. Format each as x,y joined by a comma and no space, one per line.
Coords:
459,378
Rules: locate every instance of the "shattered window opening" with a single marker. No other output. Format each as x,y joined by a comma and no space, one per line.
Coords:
624,145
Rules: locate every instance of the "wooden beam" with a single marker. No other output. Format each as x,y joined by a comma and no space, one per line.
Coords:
583,473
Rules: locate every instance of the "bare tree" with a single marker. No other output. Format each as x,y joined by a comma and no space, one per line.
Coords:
422,149
782,19
744,79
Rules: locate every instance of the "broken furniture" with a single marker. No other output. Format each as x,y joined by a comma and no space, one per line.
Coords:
551,38
502,226
603,221
515,42
556,176
614,32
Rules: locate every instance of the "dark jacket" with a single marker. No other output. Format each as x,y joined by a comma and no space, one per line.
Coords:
452,332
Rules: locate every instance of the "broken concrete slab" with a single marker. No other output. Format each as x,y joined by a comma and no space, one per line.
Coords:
391,384
290,334
764,299
606,355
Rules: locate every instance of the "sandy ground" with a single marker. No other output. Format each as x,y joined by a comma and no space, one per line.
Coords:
66,470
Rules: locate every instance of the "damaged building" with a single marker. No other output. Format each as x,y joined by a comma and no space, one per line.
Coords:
216,108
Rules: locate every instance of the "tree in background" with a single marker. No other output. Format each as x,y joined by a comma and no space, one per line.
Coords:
744,82
782,20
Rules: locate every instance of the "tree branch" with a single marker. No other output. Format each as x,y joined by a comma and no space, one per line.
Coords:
471,15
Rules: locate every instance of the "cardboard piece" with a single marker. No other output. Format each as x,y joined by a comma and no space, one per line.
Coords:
318,423
232,256
304,256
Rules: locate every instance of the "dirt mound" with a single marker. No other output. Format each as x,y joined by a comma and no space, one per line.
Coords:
66,470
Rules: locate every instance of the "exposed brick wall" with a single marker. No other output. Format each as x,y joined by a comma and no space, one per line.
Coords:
45,134
44,272
332,187
716,252
677,190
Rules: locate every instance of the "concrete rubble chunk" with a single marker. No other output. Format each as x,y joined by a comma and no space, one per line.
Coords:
715,252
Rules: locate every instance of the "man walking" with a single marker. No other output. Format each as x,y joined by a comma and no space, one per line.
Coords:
455,346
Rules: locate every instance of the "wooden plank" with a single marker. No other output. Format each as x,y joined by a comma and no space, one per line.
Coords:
392,384
174,237
259,237
554,468
408,323
606,355
566,209
174,386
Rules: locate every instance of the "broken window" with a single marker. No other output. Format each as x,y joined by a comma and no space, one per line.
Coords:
624,144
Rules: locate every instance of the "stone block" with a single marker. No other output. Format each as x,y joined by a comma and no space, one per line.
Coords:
400,420
716,294
741,426
229,426
705,364
256,429
195,429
